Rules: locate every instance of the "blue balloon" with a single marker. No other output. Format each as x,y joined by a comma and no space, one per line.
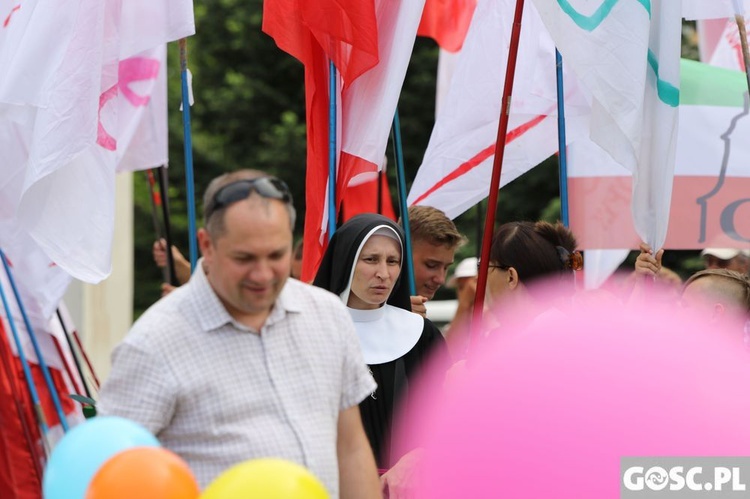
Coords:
84,449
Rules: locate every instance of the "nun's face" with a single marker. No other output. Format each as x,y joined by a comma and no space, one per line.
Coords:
375,273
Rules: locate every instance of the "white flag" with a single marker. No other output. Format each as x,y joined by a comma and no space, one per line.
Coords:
40,285
62,83
457,166
713,9
627,54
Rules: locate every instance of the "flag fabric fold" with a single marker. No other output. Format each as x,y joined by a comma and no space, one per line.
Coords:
345,31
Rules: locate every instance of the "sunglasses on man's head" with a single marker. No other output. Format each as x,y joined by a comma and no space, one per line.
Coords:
267,187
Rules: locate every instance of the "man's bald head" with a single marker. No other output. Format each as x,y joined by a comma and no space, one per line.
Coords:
727,288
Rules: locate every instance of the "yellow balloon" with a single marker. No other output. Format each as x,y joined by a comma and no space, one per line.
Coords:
267,479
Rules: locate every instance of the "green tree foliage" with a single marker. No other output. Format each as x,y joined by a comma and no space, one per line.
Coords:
250,112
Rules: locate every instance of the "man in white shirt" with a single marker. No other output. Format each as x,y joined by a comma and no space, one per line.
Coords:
243,362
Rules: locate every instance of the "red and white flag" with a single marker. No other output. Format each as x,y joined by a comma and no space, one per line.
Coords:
69,67
363,198
367,99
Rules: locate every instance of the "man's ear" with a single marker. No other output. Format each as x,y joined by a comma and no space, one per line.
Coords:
513,281
718,312
204,242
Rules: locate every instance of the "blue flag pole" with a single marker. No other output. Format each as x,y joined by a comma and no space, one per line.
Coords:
34,342
331,149
401,183
189,175
561,142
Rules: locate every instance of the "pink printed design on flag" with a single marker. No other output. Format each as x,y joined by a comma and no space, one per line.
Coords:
12,11
130,71
137,69
74,120
103,138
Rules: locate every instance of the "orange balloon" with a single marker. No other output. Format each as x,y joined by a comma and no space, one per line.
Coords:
145,473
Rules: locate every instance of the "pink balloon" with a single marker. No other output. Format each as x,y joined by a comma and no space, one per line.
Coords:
550,410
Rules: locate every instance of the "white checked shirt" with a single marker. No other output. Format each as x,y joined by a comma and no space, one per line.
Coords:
217,393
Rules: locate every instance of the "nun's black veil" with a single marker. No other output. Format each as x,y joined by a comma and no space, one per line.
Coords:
336,266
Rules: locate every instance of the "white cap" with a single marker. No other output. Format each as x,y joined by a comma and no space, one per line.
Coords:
724,253
466,268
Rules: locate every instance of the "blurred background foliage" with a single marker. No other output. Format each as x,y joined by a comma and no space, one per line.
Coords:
250,112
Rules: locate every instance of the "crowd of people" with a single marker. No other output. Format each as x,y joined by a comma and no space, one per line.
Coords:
244,360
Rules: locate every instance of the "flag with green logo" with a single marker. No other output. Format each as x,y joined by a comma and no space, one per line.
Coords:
626,54
710,206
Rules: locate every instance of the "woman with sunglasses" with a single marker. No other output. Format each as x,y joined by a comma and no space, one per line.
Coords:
525,252
362,265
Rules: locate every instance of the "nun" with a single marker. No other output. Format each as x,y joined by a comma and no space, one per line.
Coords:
362,265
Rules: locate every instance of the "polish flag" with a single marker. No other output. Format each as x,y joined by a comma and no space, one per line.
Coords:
366,98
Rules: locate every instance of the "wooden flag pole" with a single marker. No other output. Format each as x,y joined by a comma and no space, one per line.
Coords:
502,132
740,20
